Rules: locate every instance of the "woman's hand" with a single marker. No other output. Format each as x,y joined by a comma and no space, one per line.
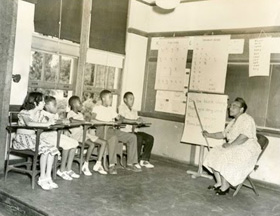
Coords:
205,133
139,121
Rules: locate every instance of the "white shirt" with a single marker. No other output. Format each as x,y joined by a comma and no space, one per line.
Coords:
106,114
130,114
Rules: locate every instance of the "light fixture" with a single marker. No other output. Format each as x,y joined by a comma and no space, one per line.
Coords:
168,4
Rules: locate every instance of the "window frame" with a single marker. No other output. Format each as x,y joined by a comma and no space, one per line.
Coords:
55,85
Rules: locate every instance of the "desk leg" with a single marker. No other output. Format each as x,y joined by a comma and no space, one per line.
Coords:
106,152
85,128
200,172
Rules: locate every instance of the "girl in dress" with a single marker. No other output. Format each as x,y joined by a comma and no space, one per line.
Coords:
232,162
32,114
68,145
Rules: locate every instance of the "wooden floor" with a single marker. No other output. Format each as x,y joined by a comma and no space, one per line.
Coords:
167,190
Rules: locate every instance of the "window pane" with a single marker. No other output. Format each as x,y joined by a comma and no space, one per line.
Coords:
36,66
66,68
51,67
100,76
111,77
89,74
89,101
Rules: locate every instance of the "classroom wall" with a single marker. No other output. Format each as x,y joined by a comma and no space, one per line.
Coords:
204,15
133,76
217,14
22,50
139,16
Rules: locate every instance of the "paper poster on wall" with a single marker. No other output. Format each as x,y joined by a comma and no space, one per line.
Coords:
170,102
171,65
209,64
236,46
212,110
259,56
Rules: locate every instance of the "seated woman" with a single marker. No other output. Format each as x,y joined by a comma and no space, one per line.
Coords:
236,158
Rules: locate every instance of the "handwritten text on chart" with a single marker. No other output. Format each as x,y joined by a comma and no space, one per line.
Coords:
212,112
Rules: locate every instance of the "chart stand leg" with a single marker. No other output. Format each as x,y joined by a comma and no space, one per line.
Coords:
200,172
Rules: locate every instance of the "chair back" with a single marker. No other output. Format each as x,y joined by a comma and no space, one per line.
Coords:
13,118
263,142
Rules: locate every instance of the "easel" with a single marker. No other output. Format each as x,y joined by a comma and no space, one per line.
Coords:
200,172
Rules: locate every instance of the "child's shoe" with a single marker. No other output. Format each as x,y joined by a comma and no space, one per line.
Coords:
134,168
86,171
52,184
146,164
44,184
112,170
72,174
98,168
64,175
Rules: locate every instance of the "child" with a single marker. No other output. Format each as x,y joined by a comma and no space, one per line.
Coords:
67,144
32,114
143,139
75,115
106,113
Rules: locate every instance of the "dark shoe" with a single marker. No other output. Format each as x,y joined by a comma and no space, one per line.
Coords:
221,193
133,168
112,170
212,187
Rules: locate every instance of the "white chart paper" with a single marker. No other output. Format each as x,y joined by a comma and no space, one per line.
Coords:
171,102
212,110
171,65
259,56
209,65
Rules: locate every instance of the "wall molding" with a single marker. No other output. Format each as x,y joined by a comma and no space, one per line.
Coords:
266,29
153,4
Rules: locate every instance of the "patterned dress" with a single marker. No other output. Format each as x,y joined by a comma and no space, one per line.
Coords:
236,162
26,139
66,142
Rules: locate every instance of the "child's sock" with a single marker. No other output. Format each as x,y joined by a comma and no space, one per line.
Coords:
85,164
98,163
111,165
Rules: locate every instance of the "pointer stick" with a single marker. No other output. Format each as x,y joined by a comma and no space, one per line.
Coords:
196,110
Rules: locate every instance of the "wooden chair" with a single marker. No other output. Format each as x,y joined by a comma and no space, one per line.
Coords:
119,151
31,157
80,157
263,142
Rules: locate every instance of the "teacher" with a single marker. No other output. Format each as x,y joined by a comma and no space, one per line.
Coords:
232,162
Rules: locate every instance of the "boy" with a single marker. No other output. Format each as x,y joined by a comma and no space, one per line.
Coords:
106,113
75,115
67,144
143,139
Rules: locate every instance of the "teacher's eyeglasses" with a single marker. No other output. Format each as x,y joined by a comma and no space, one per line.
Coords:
234,106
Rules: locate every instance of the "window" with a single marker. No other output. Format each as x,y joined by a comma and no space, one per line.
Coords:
53,74
100,77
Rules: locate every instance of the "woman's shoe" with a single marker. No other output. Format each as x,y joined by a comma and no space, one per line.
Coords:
221,193
212,187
